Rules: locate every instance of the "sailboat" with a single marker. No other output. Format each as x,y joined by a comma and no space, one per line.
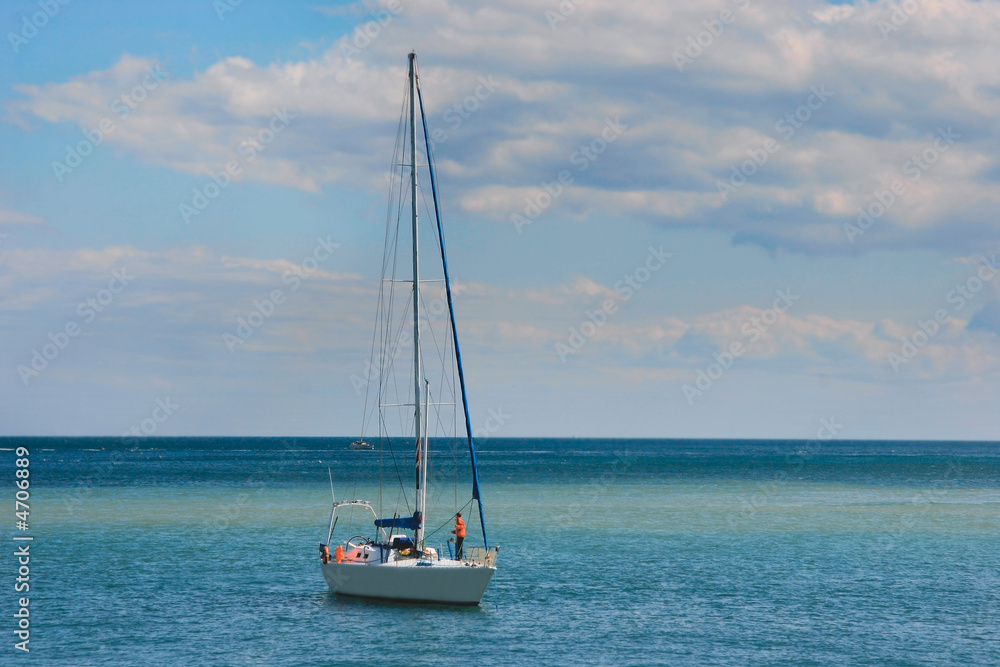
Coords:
396,560
361,445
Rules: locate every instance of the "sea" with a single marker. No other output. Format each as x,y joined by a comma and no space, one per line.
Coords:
204,551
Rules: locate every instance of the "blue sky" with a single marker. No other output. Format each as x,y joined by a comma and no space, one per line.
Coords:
745,154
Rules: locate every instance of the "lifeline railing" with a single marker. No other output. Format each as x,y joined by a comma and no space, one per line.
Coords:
481,556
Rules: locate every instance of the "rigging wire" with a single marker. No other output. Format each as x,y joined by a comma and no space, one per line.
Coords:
444,265
381,302
444,356
449,521
380,331
388,331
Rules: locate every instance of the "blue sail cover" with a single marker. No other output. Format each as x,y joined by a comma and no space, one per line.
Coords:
401,522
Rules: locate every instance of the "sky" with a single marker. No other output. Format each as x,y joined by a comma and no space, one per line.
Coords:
722,219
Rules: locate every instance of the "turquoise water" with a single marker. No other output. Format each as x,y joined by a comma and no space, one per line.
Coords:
203,551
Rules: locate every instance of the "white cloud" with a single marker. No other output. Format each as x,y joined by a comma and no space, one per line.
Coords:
9,217
33,269
556,87
812,344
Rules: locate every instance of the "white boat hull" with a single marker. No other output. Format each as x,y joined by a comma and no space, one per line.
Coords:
441,582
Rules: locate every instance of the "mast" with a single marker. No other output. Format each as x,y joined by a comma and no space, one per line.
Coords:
417,419
426,464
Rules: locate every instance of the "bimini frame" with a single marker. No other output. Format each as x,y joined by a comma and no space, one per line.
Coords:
350,503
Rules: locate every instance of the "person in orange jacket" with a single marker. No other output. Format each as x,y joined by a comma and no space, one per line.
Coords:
459,534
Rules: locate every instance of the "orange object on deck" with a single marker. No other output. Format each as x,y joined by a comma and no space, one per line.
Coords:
338,553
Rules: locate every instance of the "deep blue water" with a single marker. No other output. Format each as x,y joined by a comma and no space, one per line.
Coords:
203,551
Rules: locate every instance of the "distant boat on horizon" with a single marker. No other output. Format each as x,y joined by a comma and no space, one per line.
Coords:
361,445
